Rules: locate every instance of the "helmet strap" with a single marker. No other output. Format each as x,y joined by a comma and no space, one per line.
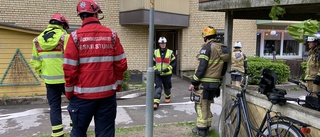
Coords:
101,17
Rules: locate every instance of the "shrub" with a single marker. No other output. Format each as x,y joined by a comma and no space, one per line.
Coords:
126,77
303,65
256,64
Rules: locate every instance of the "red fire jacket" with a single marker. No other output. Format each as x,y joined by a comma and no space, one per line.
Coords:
94,61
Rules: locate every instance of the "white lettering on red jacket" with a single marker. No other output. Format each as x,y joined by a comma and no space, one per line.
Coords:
94,63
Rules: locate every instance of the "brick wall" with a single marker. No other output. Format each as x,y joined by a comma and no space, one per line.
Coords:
134,38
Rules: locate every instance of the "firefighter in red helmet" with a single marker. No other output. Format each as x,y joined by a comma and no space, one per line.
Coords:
47,59
94,63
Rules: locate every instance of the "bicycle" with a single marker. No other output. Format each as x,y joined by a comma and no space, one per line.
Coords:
271,126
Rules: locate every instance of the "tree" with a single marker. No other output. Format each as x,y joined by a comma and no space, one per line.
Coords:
306,28
276,11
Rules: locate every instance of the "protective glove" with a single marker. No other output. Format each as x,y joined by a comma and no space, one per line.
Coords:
157,72
317,80
165,70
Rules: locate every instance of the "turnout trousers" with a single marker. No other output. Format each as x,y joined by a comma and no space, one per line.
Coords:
103,111
54,92
204,115
164,81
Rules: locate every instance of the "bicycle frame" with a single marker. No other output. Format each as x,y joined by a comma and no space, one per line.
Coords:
244,114
268,120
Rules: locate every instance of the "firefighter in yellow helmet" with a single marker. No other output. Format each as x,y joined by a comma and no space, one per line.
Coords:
164,62
238,64
313,65
213,58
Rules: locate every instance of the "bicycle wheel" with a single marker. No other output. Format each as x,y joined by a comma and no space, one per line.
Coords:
283,129
229,121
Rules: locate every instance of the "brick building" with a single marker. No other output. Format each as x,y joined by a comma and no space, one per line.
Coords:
182,25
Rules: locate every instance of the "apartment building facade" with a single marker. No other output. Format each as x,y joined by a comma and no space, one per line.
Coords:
180,21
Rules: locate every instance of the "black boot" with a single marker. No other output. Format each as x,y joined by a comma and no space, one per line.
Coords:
203,132
195,130
200,131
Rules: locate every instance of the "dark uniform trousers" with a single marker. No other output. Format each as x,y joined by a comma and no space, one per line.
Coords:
54,92
103,111
166,82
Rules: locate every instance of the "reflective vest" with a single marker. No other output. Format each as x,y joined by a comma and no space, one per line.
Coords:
47,54
237,61
164,63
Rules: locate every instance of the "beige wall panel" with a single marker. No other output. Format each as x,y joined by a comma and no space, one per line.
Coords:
128,5
160,5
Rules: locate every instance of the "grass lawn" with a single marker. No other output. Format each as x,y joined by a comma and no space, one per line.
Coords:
181,129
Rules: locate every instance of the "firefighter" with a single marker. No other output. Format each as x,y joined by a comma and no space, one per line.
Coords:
164,62
238,64
312,77
213,58
94,63
47,59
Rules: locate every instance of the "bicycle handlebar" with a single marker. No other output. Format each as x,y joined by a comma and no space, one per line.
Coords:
301,85
298,100
294,81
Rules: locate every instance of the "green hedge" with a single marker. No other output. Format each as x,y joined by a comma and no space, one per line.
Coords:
303,65
126,77
256,64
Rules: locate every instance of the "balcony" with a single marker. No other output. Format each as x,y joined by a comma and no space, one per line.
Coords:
259,9
167,13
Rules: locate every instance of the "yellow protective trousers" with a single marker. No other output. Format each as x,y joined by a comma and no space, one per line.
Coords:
204,115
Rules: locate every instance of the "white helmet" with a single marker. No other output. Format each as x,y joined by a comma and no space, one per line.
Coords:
237,44
162,40
311,39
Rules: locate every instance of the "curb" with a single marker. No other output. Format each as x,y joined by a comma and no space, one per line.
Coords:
43,99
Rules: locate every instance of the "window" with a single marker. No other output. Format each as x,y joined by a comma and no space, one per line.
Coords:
280,43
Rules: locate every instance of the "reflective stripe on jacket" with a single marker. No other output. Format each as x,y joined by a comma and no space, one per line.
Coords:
94,61
211,65
47,54
164,63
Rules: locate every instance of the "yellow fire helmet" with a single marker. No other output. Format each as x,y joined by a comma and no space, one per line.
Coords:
208,31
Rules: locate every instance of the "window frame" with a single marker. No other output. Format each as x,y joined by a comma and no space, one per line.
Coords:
263,32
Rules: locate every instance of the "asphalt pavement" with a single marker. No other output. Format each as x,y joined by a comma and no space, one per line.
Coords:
22,117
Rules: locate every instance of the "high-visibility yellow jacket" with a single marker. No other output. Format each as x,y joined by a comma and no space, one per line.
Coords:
167,61
47,54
